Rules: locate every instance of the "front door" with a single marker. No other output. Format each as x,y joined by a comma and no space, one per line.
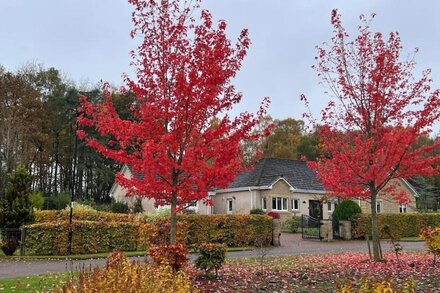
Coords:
315,209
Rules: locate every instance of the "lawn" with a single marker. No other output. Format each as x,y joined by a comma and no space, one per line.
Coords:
320,273
42,283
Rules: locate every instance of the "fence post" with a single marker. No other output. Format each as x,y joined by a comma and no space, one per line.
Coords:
22,241
326,230
276,232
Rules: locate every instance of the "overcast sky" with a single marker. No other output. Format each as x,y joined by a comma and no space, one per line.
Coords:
88,40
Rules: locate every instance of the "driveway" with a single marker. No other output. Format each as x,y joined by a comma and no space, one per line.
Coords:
291,244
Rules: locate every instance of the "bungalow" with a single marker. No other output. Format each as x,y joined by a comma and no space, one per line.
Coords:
119,194
291,188
288,187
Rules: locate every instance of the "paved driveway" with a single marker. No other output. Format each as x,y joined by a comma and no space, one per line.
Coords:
291,244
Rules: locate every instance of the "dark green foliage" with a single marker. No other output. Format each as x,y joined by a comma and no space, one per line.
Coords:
211,257
16,205
346,210
61,201
120,208
292,225
37,200
137,207
257,212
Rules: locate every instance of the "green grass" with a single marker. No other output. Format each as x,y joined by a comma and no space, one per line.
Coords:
41,283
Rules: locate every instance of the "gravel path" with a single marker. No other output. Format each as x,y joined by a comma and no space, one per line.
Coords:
291,244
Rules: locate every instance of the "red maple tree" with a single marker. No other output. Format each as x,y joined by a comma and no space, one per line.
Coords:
378,112
179,137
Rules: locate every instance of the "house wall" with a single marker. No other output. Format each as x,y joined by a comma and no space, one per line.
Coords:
242,202
119,195
390,205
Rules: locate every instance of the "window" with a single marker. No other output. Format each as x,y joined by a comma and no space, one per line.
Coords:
295,204
264,203
229,205
279,203
329,206
378,207
403,208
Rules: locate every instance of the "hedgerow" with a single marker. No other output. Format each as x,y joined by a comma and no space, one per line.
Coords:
401,225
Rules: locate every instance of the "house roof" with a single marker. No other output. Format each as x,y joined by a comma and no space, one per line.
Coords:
269,170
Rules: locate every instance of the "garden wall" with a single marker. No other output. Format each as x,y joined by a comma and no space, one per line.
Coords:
401,225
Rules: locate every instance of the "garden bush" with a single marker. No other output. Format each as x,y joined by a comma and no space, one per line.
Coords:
121,275
346,210
37,200
401,225
212,257
173,255
432,240
292,225
257,212
119,208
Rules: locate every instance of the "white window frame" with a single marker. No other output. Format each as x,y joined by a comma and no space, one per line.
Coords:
229,205
329,206
280,204
403,209
264,203
379,207
297,204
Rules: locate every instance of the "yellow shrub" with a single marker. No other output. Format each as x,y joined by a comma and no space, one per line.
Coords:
369,286
121,275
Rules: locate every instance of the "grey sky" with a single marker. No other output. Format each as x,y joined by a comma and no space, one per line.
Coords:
89,40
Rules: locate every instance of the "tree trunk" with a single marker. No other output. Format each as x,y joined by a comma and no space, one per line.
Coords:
173,218
377,252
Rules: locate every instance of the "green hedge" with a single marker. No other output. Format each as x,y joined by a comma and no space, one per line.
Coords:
49,237
231,230
81,215
401,225
88,237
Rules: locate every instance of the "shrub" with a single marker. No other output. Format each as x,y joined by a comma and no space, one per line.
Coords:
432,240
79,207
137,207
121,275
346,210
212,256
257,212
292,225
173,255
15,205
37,200
402,225
274,215
60,201
120,208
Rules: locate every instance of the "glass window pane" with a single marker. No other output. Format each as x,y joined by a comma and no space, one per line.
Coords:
284,207
274,203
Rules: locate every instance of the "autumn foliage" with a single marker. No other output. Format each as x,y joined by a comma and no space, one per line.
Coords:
179,139
378,111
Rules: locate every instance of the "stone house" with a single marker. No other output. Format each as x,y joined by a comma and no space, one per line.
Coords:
291,188
118,193
288,187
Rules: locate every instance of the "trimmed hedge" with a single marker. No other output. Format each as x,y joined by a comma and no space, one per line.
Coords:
401,225
88,237
231,230
49,237
81,215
